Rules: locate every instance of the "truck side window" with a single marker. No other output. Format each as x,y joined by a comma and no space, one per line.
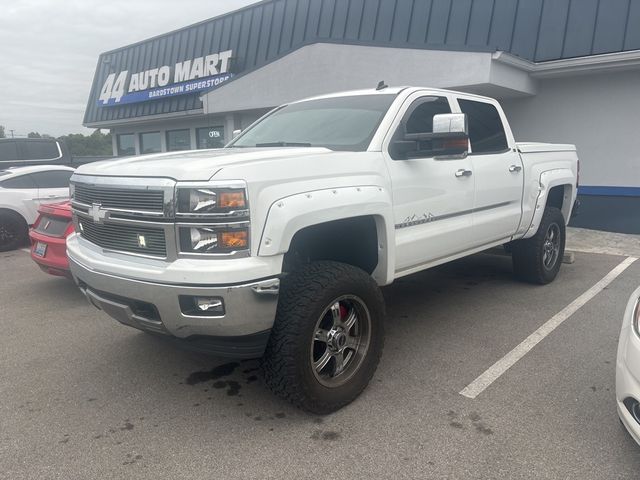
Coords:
421,117
486,131
40,150
8,151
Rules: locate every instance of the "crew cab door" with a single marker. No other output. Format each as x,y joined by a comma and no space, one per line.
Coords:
432,198
497,170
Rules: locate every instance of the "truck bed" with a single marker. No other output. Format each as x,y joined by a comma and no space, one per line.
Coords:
538,147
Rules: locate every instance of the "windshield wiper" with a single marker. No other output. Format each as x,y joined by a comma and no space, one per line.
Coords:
283,144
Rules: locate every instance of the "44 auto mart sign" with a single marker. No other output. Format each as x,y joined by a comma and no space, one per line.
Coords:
189,76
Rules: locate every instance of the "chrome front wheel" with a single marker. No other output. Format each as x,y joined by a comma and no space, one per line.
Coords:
327,337
341,340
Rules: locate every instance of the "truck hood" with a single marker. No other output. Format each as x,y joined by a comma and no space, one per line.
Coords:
197,165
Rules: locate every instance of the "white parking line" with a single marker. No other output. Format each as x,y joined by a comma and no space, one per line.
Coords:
476,387
28,250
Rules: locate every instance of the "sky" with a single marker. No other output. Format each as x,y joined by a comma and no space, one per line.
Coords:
49,50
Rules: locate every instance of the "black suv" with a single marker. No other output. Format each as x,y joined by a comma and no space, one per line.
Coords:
17,152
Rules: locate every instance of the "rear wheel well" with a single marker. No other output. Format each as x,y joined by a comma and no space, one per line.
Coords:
560,197
556,197
352,240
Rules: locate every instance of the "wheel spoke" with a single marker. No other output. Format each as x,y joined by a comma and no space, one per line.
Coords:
335,314
352,342
321,335
339,363
350,321
322,361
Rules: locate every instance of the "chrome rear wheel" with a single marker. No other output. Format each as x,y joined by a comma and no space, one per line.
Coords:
551,246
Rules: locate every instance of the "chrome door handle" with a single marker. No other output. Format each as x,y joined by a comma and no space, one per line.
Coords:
515,168
463,173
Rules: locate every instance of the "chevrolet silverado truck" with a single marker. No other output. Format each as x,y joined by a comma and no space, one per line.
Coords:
276,245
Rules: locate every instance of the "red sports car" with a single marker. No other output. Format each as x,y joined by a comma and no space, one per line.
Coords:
49,238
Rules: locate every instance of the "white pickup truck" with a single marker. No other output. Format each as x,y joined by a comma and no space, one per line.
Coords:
276,246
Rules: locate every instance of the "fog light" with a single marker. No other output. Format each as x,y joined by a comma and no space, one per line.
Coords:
206,304
202,306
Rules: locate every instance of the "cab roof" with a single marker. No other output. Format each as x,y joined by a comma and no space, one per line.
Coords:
391,91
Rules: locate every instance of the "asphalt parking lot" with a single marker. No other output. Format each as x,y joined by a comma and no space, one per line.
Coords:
84,397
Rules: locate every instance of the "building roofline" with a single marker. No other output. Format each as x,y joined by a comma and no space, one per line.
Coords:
191,25
566,66
144,119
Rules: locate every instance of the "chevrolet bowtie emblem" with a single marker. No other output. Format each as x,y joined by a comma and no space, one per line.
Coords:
98,214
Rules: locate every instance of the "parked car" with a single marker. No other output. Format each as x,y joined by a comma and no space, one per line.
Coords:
628,368
17,152
277,244
49,238
22,191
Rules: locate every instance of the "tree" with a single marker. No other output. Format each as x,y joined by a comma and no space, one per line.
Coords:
83,146
2,131
33,135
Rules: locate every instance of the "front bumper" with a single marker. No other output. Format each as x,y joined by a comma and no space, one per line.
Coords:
241,331
628,373
627,392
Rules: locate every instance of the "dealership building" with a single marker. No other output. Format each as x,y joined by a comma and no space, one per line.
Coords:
565,71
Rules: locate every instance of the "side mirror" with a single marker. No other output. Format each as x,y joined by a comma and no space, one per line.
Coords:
236,133
450,139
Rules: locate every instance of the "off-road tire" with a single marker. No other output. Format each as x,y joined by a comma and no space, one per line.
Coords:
304,295
14,231
528,254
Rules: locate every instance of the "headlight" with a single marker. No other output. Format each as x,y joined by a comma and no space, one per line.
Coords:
213,239
211,200
635,318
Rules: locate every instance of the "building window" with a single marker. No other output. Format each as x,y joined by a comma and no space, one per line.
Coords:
210,137
126,144
150,142
178,140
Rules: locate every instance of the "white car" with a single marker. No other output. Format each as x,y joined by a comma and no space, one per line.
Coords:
22,191
628,368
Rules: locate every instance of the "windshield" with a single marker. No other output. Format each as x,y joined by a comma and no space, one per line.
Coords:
338,123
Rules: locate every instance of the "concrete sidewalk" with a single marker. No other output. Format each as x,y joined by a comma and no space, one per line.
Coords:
595,241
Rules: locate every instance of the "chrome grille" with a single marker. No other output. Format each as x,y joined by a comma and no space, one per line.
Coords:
125,238
125,199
